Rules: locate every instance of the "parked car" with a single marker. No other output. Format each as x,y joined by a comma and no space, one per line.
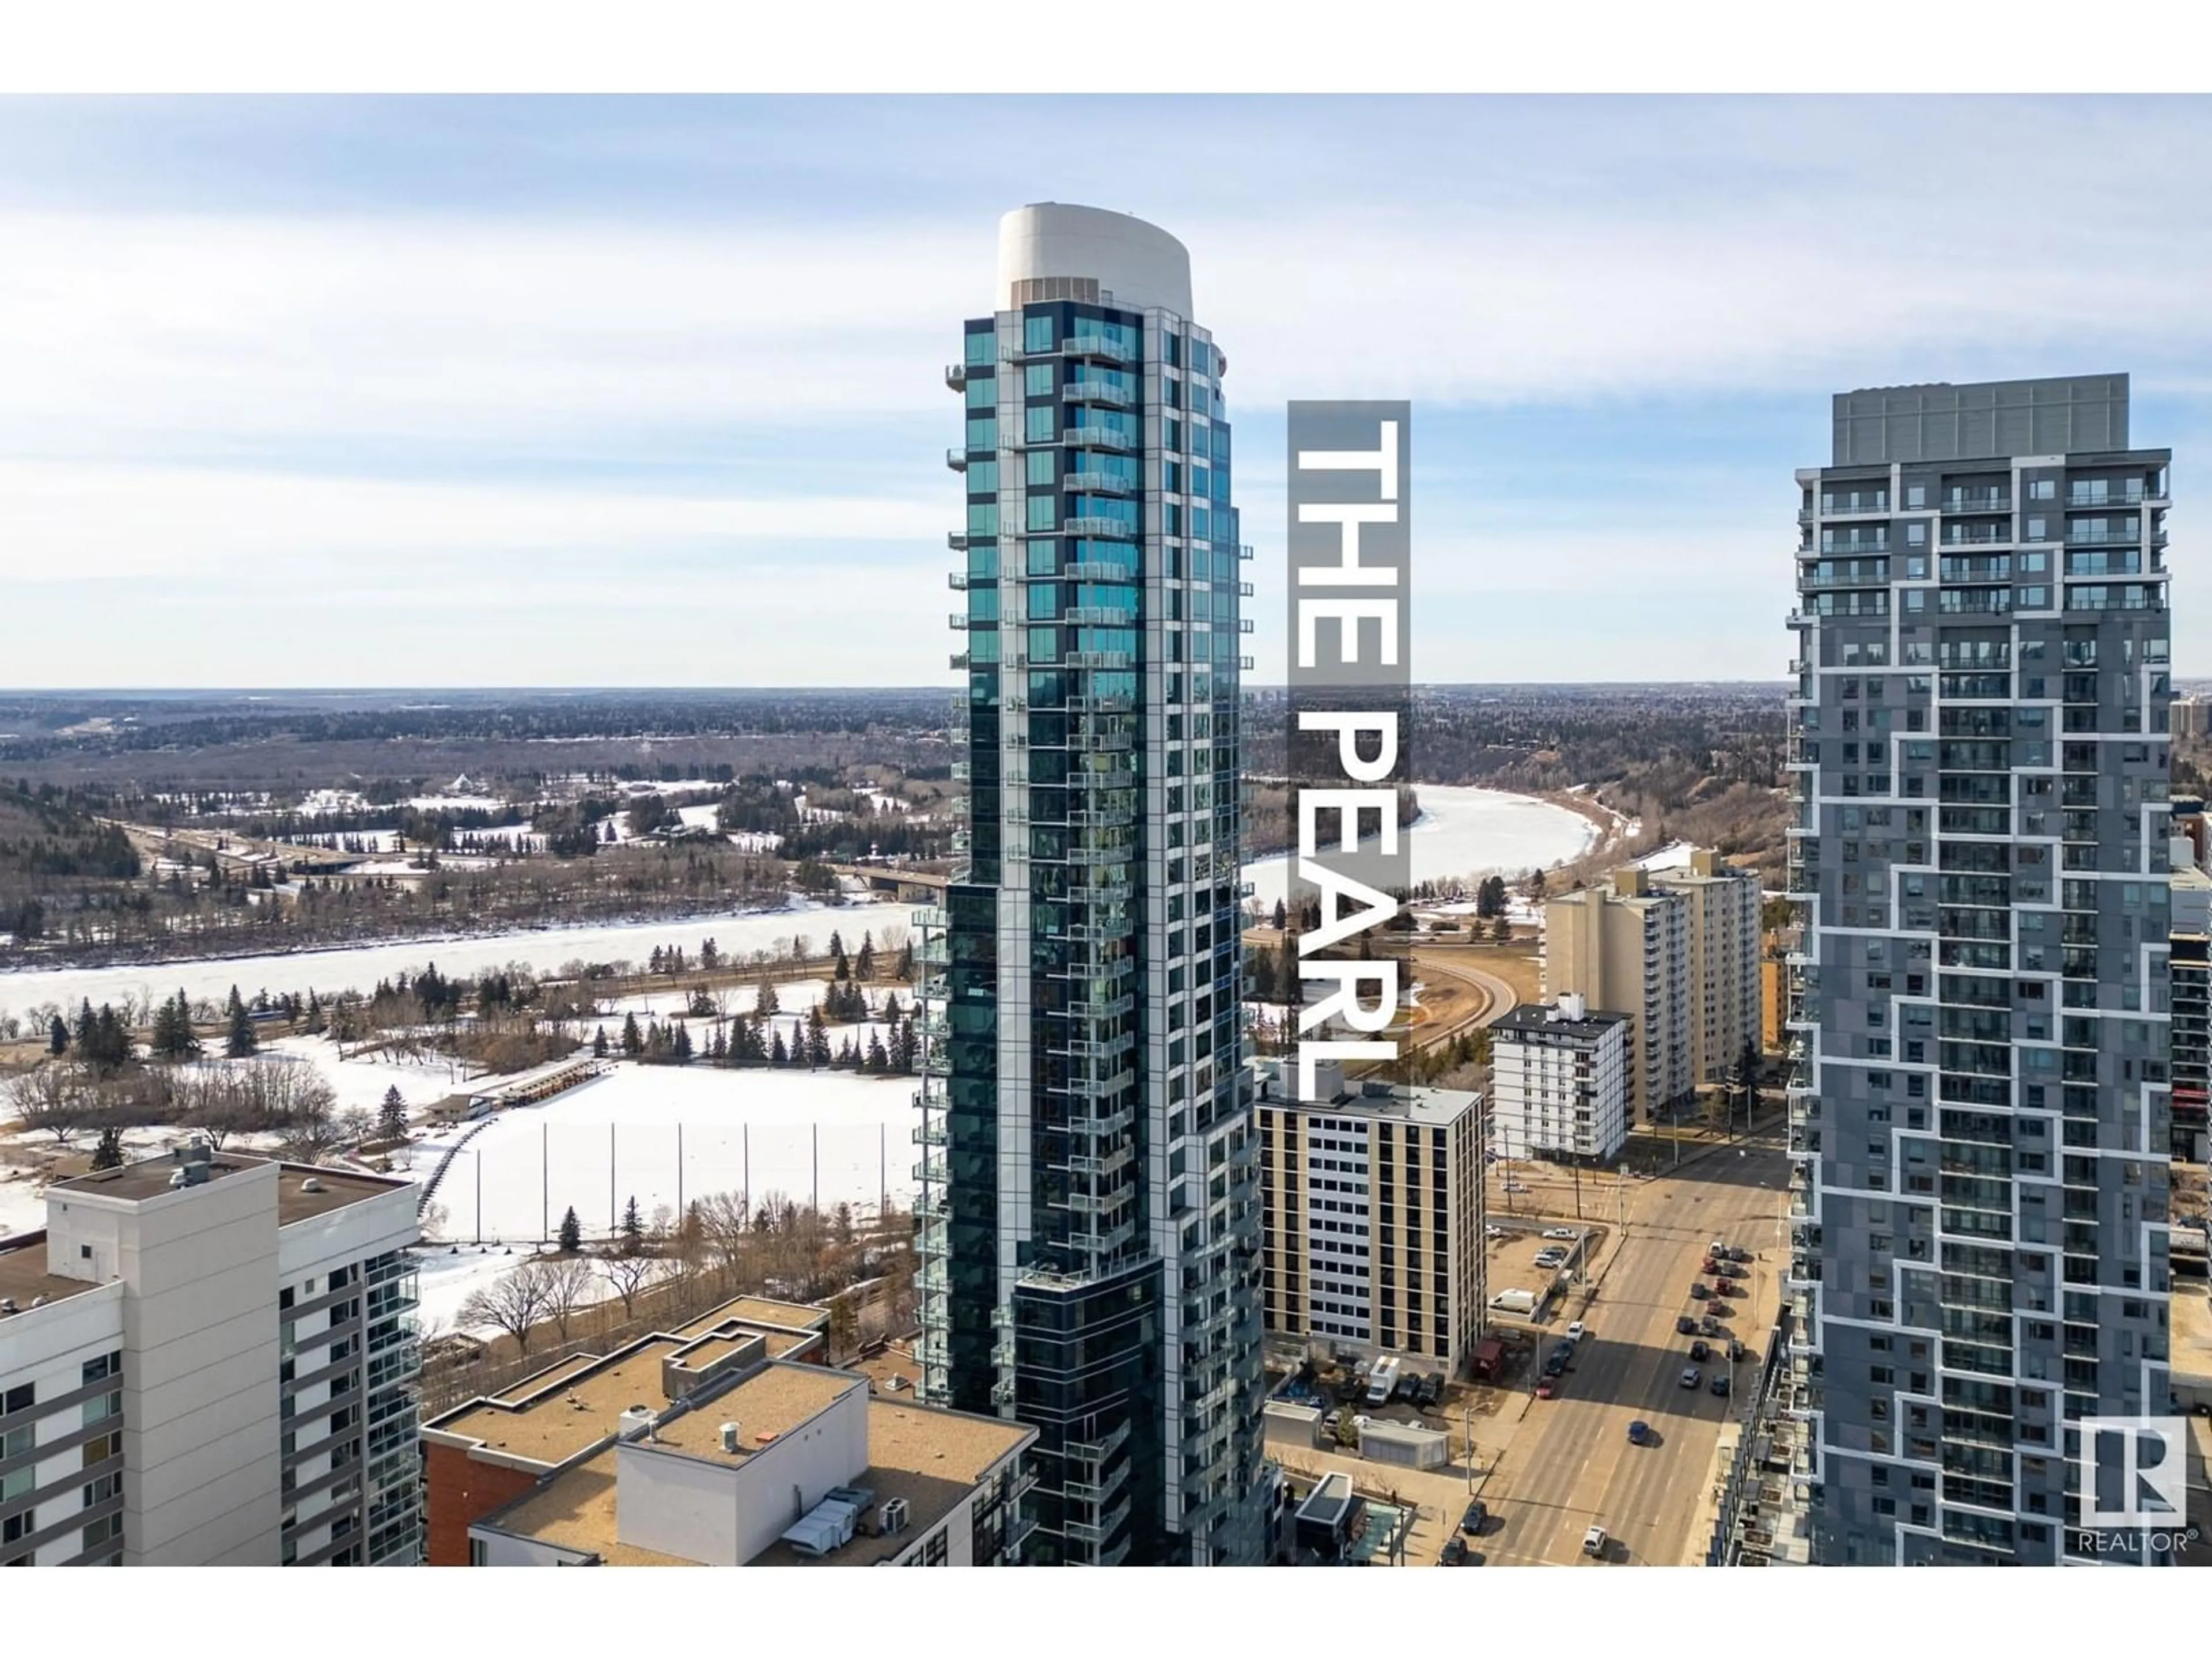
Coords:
1692,1376
1476,1518
1711,1327
1576,1331
1736,1351
1700,1353
1407,1390
1698,1292
1568,1233
1493,1230
1455,1551
1639,1433
1555,1364
1594,1543
1548,1388
1739,1254
1551,1257
1685,1326
1432,1393
1711,1265
1720,1382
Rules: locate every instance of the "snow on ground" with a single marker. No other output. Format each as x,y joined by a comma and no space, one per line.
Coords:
1674,855
361,1084
545,949
597,1147
701,817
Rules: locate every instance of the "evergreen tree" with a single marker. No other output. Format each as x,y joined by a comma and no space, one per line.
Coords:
905,974
878,1060
633,1039
718,1050
391,1115
572,1232
817,1038
836,947
599,1043
840,969
764,1002
891,1012
775,1050
315,1013
864,965
633,1228
1282,915
108,1154
241,1042
681,1047
58,1038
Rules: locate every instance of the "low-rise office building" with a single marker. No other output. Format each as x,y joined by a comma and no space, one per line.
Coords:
208,1358
1558,1082
1372,1200
775,1462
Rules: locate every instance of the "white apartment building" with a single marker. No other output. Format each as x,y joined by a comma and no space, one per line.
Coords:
206,1359
1372,1203
1559,1082
1721,910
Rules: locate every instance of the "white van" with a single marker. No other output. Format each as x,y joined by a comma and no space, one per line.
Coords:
1594,1542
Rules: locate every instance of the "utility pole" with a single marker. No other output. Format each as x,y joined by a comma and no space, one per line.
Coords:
477,1157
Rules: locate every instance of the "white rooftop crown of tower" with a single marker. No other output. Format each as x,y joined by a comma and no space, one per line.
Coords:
1140,264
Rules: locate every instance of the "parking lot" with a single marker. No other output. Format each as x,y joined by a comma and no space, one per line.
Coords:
1568,1462
1514,1251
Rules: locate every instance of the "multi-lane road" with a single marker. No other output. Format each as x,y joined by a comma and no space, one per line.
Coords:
1569,1464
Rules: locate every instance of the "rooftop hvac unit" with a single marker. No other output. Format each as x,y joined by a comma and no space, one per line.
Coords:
894,1518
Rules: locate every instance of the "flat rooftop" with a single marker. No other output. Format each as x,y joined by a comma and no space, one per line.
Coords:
295,1201
757,1310
23,1275
932,1459
893,1362
551,1417
2191,1329
767,1406
1531,1019
1434,1107
575,1511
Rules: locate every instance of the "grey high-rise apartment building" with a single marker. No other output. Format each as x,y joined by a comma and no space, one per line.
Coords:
1978,1004
1089,1208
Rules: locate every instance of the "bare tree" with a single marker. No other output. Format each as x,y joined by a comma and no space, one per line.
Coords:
569,1281
630,1275
725,1223
513,1303
53,1098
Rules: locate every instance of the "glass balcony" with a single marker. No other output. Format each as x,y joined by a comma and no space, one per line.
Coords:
956,459
1097,392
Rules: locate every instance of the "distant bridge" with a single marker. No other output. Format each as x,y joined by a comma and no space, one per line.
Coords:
913,886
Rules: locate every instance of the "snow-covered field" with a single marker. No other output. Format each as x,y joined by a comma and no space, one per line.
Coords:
597,1147
738,933
1466,833
450,1273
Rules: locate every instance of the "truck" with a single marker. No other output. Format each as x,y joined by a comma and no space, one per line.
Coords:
1382,1383
1514,1302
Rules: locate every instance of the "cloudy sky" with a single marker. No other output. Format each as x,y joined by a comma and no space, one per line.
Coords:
547,392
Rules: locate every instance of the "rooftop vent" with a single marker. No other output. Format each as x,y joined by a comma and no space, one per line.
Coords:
730,1438
312,1185
894,1516
8,1306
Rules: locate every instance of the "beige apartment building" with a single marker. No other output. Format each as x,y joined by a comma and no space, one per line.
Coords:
1678,951
1372,1202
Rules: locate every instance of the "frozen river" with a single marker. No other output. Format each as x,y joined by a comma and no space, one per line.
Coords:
1465,833
327,972
1461,832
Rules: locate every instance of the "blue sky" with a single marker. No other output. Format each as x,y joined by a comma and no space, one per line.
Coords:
608,391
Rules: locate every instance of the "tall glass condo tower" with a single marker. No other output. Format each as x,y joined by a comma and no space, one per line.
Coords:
1977,1009
1089,1185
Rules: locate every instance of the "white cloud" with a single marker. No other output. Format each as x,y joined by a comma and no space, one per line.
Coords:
66,521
